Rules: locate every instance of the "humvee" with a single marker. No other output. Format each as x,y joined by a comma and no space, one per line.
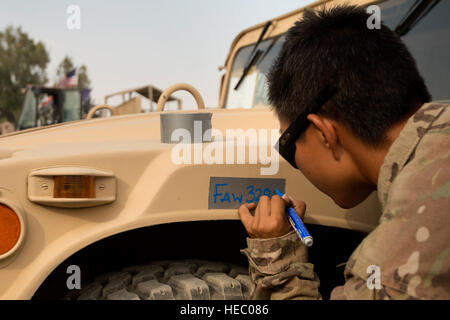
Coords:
44,106
104,209
150,92
131,101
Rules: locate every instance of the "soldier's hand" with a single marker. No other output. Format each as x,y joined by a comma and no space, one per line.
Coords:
270,219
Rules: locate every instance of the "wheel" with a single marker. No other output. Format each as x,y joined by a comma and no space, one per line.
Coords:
170,280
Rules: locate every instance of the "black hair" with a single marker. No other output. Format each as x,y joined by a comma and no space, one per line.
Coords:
376,76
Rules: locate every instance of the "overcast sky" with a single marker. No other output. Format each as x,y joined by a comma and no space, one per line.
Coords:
130,43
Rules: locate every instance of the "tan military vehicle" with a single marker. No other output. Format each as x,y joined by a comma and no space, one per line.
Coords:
112,205
44,106
131,101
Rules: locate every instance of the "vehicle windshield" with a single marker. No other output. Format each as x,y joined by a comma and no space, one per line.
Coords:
72,106
28,117
428,41
252,92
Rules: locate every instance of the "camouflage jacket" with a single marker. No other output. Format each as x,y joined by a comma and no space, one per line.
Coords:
410,247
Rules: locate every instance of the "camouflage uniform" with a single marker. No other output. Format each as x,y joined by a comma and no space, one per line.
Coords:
410,245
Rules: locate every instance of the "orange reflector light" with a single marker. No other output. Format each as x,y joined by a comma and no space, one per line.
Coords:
10,228
74,187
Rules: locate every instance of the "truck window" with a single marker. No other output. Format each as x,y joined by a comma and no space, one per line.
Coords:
28,117
428,41
253,90
72,105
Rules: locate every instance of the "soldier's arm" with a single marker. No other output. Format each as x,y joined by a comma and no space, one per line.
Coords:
279,269
278,261
277,258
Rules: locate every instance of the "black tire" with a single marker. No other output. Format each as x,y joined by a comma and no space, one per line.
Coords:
170,280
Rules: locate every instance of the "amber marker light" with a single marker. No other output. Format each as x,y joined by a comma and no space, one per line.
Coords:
11,229
74,187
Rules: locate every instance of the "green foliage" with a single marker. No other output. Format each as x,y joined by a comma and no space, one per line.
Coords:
66,65
23,61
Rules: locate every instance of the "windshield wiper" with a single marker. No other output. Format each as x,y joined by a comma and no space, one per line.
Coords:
248,67
257,59
255,54
274,42
417,11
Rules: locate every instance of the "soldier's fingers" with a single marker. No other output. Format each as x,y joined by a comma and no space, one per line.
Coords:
262,216
264,208
246,217
256,218
289,200
278,208
286,198
280,224
299,207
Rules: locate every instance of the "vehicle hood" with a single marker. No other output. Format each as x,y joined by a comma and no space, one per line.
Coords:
122,131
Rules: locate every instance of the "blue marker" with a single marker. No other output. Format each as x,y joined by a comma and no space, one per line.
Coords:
297,224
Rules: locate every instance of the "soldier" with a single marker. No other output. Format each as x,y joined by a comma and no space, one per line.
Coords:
374,130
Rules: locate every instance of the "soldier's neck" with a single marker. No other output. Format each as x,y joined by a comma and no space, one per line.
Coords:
369,159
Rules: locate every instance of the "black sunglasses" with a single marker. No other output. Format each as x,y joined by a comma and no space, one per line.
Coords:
286,144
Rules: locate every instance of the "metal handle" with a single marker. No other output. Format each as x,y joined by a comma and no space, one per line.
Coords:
177,87
99,107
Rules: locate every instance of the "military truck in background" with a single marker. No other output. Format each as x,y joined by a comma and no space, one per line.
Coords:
104,199
45,106
131,100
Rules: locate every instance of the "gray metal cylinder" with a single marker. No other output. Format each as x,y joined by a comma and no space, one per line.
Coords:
185,127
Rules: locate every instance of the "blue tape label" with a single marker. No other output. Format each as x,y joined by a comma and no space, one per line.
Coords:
231,193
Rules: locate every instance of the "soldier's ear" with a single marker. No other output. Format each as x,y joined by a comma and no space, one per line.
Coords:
328,134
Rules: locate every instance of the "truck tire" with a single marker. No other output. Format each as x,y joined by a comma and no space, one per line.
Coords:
170,280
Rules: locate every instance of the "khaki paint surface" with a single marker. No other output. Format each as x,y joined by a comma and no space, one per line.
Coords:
280,25
129,107
151,189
